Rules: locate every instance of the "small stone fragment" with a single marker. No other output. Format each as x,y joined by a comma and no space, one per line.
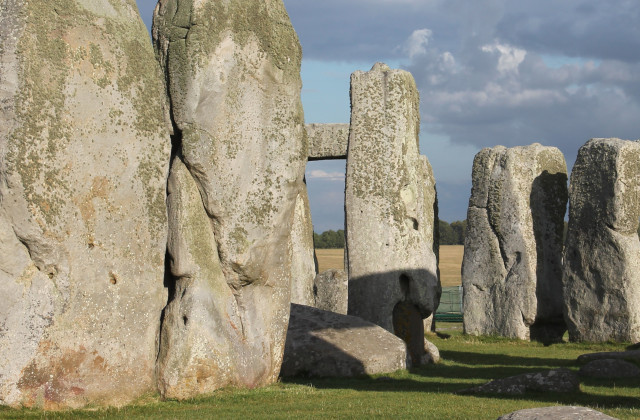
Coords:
555,380
557,413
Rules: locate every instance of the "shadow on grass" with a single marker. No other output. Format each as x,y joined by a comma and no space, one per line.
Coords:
471,358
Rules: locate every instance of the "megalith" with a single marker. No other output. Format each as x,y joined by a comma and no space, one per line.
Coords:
330,291
303,255
389,203
601,278
84,158
512,264
233,72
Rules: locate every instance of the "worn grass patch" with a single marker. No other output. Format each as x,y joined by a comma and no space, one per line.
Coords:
330,258
426,392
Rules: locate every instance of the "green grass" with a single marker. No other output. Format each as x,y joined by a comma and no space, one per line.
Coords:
426,392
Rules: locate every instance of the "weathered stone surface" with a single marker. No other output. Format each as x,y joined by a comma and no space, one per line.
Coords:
331,292
303,261
512,266
626,355
233,71
557,413
323,343
389,202
85,152
431,353
602,255
327,141
610,368
555,380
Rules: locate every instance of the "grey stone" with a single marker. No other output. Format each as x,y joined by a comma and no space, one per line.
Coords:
330,290
389,203
557,413
327,141
322,343
601,281
233,71
610,368
555,380
85,153
431,353
303,261
626,355
512,266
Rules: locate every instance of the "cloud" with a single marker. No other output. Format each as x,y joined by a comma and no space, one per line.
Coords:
327,176
417,42
509,57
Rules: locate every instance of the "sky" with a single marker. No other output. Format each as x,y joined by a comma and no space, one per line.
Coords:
489,72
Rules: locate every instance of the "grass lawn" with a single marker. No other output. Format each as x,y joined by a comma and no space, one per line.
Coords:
426,392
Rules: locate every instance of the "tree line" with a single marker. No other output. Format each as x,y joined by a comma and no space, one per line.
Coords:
452,234
329,239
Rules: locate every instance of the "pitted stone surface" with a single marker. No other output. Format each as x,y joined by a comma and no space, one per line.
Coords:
233,71
389,201
303,261
555,380
512,265
557,413
602,255
327,141
610,368
627,355
330,291
85,153
323,343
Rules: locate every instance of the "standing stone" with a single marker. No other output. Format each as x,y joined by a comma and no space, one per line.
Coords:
602,255
389,202
512,266
330,290
303,258
233,71
84,158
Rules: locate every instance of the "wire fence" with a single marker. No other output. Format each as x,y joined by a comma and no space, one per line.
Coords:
450,309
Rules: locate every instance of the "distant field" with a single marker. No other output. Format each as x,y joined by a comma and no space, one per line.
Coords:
450,262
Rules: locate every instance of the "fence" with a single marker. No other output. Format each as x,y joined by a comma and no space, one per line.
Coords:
450,309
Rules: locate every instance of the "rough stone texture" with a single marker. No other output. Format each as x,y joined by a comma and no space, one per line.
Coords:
303,261
432,354
84,155
602,255
556,413
389,202
323,343
233,71
555,380
610,368
626,355
512,265
330,290
327,141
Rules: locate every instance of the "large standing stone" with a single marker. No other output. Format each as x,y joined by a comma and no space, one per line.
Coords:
389,202
512,266
233,71
85,154
303,257
330,291
602,255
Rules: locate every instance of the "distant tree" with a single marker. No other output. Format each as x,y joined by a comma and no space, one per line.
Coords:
447,235
459,227
329,239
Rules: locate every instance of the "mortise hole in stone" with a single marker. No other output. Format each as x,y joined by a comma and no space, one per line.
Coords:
113,279
185,319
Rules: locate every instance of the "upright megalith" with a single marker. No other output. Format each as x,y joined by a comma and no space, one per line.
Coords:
602,255
303,255
512,265
389,202
84,158
233,72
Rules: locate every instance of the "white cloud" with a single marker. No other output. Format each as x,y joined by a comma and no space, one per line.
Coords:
324,175
417,42
510,57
